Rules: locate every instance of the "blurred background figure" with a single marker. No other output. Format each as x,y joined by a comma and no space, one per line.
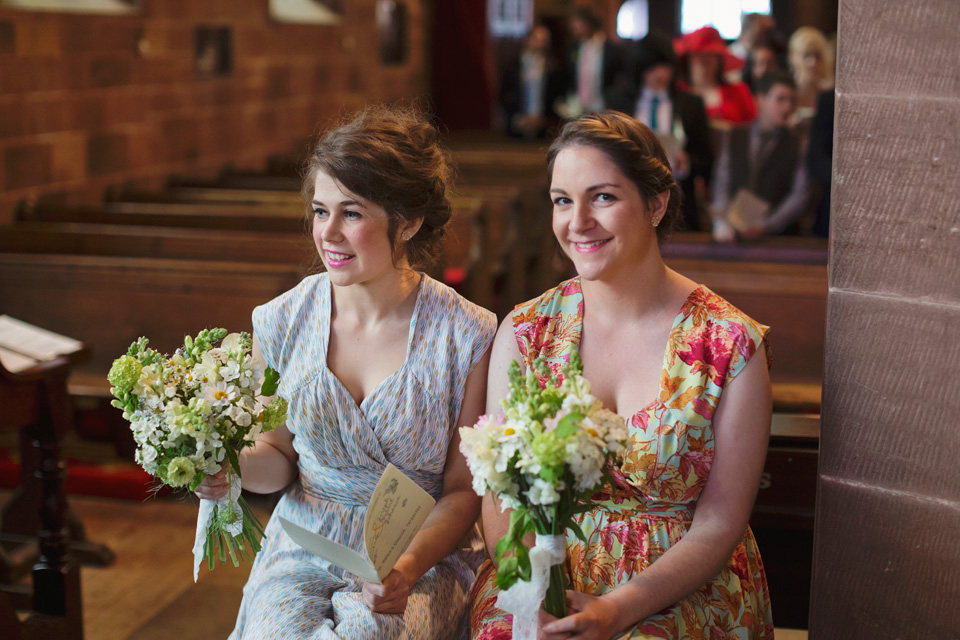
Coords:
767,54
811,62
594,63
760,184
704,59
647,91
820,160
530,85
751,26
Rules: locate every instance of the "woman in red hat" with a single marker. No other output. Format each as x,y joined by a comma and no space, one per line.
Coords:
703,61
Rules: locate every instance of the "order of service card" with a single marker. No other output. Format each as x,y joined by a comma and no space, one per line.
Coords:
397,510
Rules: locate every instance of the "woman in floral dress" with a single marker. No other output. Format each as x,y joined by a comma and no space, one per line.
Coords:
380,364
670,555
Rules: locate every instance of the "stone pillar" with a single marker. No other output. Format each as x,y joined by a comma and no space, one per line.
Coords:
886,552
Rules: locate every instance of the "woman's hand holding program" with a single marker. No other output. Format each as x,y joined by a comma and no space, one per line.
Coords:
388,597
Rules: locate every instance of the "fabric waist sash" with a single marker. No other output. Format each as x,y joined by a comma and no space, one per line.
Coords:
353,486
641,504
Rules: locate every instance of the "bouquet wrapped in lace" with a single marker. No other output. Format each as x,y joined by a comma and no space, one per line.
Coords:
191,413
542,457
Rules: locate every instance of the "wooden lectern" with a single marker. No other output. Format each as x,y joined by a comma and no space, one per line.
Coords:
35,402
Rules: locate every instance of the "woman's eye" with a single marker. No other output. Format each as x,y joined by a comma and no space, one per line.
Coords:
351,215
606,197
320,213
562,201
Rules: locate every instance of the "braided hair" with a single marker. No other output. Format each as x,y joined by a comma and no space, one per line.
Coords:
636,151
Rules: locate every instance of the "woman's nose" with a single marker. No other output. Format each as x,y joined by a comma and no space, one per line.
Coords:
330,228
582,218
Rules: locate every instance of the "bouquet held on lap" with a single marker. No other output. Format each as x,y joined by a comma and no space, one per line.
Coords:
542,457
191,414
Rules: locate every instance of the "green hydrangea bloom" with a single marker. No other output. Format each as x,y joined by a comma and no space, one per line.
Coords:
180,472
548,449
274,414
124,373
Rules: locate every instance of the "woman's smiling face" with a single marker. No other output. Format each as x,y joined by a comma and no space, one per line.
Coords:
351,234
599,217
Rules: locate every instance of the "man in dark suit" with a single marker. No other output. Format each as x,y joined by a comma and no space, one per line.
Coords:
594,63
646,90
530,85
765,159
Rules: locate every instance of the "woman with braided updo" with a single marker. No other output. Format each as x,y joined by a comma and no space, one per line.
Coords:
380,364
669,553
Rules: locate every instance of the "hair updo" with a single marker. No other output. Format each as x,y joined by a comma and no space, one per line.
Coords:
391,157
636,151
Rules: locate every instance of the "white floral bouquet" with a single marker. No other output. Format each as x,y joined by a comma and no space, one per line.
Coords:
543,457
191,413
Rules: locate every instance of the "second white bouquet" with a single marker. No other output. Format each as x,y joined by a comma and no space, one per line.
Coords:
542,457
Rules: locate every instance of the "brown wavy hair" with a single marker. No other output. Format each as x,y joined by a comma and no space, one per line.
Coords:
392,157
636,151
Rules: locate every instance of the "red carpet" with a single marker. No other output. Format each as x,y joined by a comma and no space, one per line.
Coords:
121,480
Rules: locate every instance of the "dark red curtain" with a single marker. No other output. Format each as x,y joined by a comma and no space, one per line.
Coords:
460,67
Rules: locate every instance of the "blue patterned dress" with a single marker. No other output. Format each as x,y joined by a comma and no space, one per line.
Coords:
407,420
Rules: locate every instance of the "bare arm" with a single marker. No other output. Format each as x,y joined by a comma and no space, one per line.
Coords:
495,521
742,430
450,519
268,466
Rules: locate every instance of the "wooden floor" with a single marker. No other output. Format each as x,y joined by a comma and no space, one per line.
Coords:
149,593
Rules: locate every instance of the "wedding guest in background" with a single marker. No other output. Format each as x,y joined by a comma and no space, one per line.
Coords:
812,65
766,159
767,54
648,91
672,555
751,25
820,160
380,364
530,85
593,64
703,61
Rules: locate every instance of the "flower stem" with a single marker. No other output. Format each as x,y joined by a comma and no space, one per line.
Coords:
555,602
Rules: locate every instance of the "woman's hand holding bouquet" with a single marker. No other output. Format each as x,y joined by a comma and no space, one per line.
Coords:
543,457
191,414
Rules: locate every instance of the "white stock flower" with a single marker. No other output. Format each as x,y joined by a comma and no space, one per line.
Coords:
542,492
230,371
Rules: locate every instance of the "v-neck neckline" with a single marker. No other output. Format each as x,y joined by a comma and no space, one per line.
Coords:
411,332
667,350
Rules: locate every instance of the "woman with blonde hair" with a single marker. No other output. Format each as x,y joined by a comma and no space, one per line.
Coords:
812,65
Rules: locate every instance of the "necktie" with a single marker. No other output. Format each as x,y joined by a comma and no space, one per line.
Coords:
654,107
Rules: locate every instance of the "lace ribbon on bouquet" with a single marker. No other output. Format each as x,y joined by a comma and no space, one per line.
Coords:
523,599
229,502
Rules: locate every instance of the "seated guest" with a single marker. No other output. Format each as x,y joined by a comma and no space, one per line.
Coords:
380,364
647,90
594,63
760,184
530,85
767,54
812,65
703,61
820,160
751,26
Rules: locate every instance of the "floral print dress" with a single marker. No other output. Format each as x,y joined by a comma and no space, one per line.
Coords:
665,470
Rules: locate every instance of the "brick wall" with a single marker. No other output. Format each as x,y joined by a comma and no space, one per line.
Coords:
88,101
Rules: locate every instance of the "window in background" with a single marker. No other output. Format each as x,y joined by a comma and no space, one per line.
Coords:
723,14
307,11
633,20
509,18
75,6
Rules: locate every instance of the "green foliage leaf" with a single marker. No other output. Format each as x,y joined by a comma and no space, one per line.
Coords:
271,380
232,457
569,424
